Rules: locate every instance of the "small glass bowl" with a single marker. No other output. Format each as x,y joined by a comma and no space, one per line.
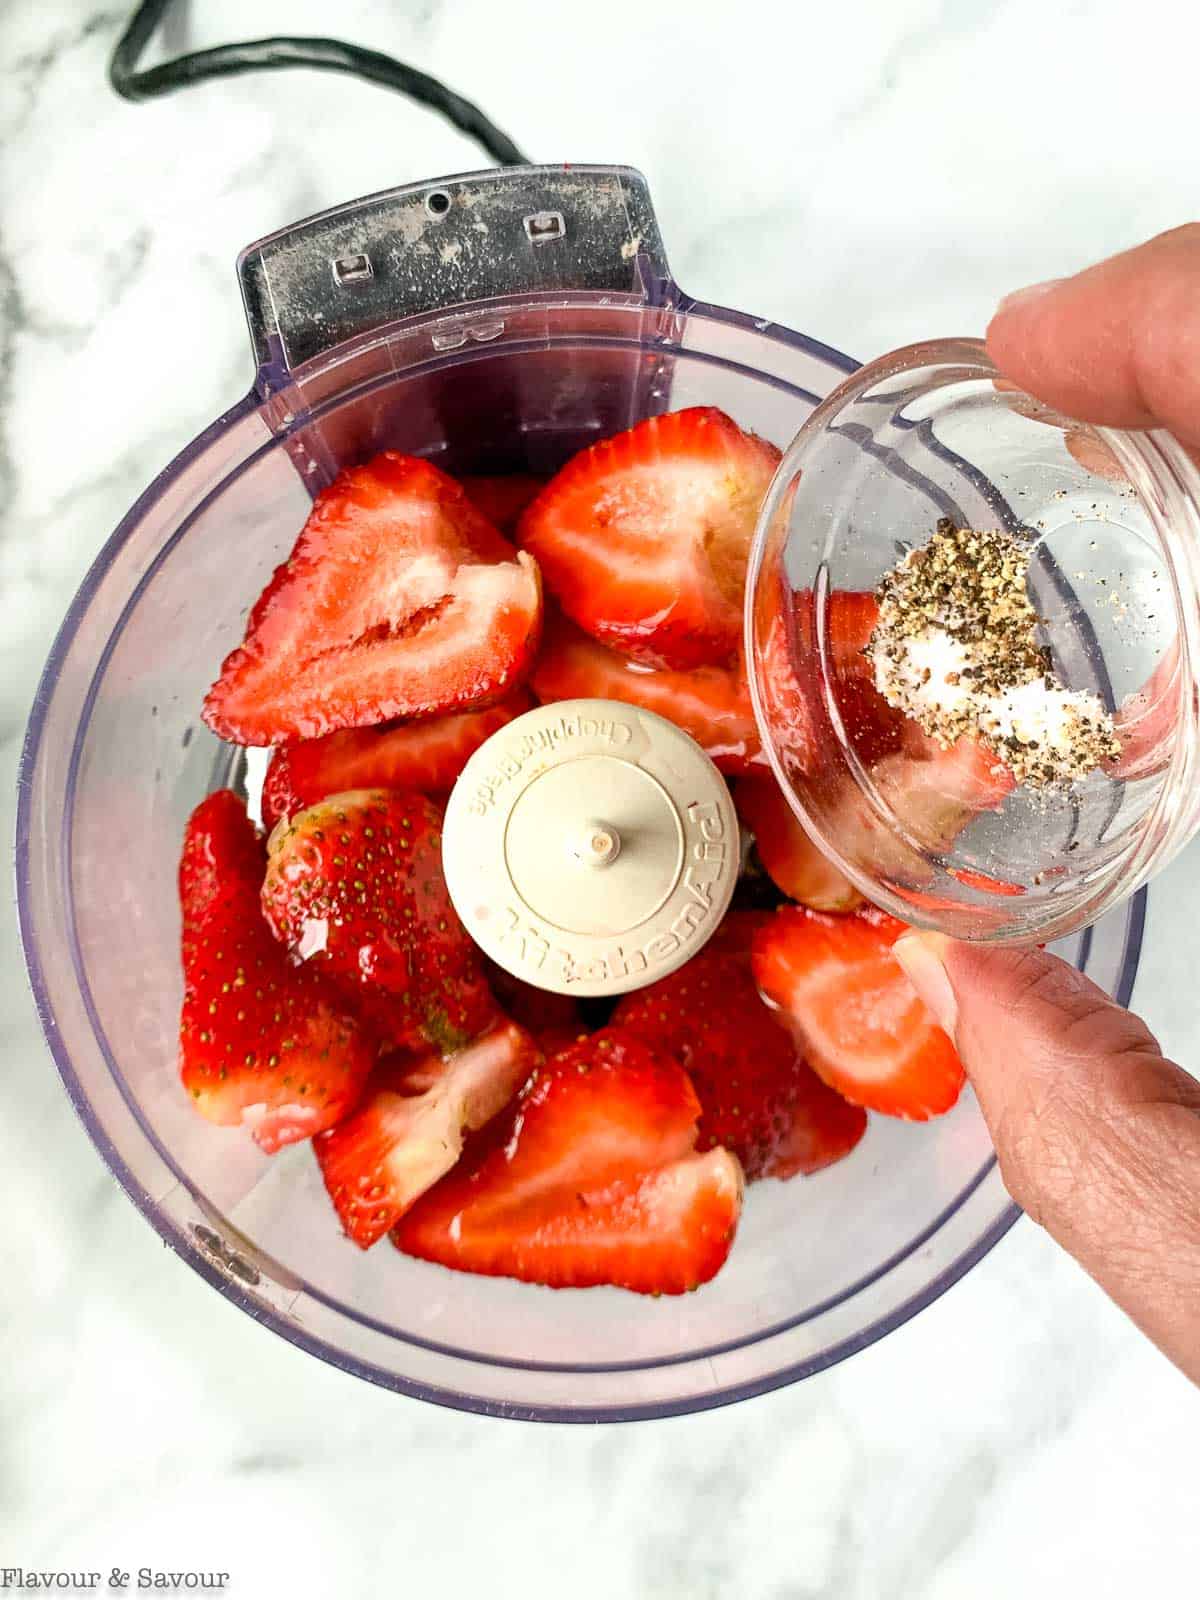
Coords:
943,839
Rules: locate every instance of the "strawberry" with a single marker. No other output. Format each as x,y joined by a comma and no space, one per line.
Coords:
985,883
408,1130
354,887
551,1040
789,713
823,1126
261,1045
915,800
798,693
502,499
792,860
710,703
554,1020
860,1022
591,1178
837,637
1146,719
426,755
759,1097
933,794
398,600
643,539
736,930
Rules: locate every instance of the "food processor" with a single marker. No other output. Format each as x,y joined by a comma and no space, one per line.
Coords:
493,321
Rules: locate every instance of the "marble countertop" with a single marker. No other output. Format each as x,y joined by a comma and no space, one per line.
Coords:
870,174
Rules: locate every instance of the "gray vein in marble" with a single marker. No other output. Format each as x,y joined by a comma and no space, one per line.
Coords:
10,321
915,45
29,69
256,1462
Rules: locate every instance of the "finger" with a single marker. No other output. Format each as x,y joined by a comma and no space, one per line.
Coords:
1118,344
1098,1136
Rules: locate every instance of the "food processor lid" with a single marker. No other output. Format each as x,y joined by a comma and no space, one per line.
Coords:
452,243
590,847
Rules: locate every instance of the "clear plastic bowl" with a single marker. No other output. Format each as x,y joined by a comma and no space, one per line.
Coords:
116,758
1113,521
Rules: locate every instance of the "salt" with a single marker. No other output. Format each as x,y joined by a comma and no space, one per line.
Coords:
956,649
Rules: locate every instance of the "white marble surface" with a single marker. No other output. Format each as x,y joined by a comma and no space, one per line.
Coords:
870,173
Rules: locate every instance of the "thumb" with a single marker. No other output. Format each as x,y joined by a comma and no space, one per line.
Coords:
1097,1134
1117,344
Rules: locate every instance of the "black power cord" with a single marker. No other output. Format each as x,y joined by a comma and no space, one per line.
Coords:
272,55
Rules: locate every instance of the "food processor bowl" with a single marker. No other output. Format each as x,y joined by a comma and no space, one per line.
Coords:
494,321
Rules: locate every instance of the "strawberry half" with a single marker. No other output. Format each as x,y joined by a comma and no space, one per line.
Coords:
408,1131
426,755
261,1045
759,1097
643,539
934,794
710,703
398,600
354,888
502,499
791,859
1147,718
860,1021
838,636
554,1020
796,700
591,1179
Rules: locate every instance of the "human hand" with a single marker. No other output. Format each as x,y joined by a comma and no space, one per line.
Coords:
1098,1135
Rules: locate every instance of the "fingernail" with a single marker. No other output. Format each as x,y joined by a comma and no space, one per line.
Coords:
920,954
1020,297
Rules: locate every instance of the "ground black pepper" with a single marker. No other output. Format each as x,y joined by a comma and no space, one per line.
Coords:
964,597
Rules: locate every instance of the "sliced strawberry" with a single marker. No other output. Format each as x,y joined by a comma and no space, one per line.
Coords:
736,931
838,633
792,860
1147,720
811,666
710,703
553,1041
643,538
793,716
262,1045
592,1178
985,883
398,600
502,499
354,888
759,1097
823,1126
934,794
859,1019
426,755
408,1131
554,1020
924,798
